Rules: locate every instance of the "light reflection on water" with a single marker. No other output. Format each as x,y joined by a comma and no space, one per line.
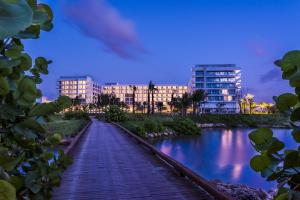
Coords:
222,154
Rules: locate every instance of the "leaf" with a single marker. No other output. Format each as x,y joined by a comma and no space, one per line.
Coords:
26,92
33,124
283,196
9,163
43,109
295,115
55,139
296,135
14,17
291,159
275,146
16,181
4,86
261,135
7,191
26,62
260,162
286,101
31,181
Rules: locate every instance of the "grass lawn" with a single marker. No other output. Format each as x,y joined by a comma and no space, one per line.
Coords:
67,128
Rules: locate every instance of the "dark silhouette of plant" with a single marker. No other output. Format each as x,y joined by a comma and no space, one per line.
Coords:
198,96
274,161
160,106
172,102
133,87
183,103
29,168
144,106
151,91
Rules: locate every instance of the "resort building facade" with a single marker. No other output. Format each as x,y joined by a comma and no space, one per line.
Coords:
162,94
222,84
82,87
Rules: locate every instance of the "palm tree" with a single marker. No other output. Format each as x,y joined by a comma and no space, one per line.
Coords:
172,102
250,100
150,86
197,97
144,106
139,106
151,90
183,103
160,106
133,97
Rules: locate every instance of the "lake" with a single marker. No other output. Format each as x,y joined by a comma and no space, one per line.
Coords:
222,154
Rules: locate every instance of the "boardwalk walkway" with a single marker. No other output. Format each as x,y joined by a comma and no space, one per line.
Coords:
110,165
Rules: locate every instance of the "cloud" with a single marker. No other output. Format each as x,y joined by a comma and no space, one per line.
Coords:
98,20
272,75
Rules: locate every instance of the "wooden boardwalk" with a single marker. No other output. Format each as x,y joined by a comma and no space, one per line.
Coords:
110,165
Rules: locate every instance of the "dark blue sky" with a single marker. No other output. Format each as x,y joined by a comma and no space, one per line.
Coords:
135,41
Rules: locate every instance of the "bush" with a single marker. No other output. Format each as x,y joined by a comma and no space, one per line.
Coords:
135,128
114,114
183,126
76,115
150,126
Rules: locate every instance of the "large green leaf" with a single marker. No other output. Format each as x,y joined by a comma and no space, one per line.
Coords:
33,124
295,116
285,101
261,135
15,16
260,162
7,191
296,135
43,109
4,86
26,92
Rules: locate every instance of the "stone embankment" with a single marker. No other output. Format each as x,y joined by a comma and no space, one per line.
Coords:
165,133
211,125
243,192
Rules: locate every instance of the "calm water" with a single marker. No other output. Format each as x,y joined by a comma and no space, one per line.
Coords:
222,154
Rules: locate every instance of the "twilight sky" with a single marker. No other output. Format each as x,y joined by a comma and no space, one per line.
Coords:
135,41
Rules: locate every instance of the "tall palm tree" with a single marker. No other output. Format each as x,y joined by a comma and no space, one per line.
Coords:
184,102
133,97
144,106
150,85
172,102
151,91
197,97
250,101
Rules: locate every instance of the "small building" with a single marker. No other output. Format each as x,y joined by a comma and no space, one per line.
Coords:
85,88
222,84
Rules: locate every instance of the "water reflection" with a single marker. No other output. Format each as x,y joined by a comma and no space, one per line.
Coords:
220,154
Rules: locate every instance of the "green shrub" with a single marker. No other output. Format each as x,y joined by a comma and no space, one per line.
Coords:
150,126
114,114
183,126
76,115
137,129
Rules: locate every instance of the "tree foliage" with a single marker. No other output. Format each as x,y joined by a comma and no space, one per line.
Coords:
274,161
28,167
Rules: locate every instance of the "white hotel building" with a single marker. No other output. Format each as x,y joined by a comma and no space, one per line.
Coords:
83,87
222,84
162,94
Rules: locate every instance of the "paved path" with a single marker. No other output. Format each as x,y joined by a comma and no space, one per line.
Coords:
110,165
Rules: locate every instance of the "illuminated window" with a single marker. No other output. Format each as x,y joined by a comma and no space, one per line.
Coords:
225,92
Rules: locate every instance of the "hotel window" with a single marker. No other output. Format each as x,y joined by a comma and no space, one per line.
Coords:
199,73
199,85
199,79
225,92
